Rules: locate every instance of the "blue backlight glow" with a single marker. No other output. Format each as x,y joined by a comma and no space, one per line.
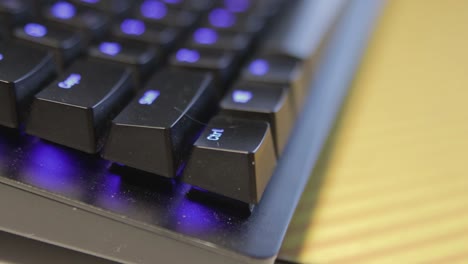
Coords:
187,55
63,10
133,27
70,81
222,18
1,56
53,168
90,1
110,48
242,96
153,9
237,5
35,30
149,97
259,67
206,36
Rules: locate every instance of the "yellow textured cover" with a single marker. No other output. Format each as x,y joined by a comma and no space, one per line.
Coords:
395,185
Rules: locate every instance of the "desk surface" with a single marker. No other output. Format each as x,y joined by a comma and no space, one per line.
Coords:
396,179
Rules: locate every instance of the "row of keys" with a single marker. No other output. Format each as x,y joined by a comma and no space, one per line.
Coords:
71,111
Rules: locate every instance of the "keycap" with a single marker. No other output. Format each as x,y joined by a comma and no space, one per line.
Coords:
224,20
90,23
267,102
150,33
15,11
234,158
208,38
221,63
194,5
261,8
141,58
159,12
113,7
64,43
280,71
23,72
302,30
156,130
4,29
74,110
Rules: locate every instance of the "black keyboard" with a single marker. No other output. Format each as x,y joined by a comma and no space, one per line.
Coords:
156,126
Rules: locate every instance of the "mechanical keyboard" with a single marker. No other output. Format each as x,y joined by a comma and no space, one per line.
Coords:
132,130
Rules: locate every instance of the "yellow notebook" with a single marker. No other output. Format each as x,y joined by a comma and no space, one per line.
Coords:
395,185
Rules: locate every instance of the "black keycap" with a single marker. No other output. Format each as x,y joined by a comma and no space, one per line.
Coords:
234,158
224,20
219,62
194,5
4,29
14,11
156,130
141,58
114,7
66,44
208,38
90,23
150,33
23,71
159,12
279,70
262,8
270,103
74,110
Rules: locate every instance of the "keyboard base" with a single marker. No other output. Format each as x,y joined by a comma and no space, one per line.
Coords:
78,203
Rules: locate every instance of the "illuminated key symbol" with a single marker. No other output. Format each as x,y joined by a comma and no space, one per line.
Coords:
186,55
133,27
110,48
71,81
153,9
63,10
221,18
241,96
149,97
206,36
215,134
35,30
259,67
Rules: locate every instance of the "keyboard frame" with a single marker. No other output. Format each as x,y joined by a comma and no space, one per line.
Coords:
72,219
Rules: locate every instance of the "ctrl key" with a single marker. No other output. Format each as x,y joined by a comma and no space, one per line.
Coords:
234,158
